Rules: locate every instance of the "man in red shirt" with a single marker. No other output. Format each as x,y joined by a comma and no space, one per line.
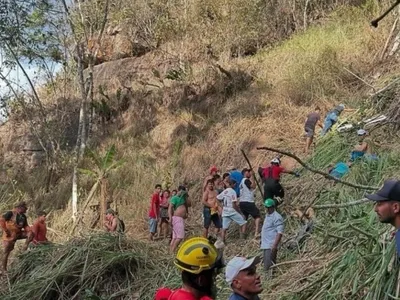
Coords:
39,229
154,212
199,262
271,177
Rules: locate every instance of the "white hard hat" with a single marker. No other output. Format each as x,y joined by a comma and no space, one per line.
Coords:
276,161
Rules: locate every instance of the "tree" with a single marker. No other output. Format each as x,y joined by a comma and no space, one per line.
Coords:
102,167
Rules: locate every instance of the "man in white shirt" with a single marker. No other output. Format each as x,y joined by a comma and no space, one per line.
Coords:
230,211
247,200
271,234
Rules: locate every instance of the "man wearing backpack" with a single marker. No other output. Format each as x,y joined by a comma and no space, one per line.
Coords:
113,223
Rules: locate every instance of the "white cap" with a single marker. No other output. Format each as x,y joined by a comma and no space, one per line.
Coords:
361,132
276,161
237,264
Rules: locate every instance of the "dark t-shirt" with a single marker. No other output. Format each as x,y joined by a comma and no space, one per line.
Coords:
312,119
397,237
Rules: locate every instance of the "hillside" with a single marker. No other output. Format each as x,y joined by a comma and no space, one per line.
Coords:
173,107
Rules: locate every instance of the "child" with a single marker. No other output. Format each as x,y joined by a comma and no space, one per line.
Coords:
154,212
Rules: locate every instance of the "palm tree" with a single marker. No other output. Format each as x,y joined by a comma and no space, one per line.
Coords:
102,167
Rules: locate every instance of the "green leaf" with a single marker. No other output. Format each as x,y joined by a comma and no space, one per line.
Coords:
115,165
94,157
109,157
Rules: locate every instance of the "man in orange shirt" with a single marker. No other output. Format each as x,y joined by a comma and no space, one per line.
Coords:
22,231
39,229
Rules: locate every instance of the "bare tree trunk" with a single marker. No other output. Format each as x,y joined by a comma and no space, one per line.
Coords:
103,198
75,193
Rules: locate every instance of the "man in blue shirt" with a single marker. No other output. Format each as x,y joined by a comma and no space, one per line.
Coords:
242,276
236,175
387,206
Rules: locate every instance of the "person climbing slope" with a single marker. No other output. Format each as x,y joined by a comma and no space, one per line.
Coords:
247,200
271,177
387,206
211,209
363,148
271,235
231,211
313,119
17,231
199,262
177,212
331,118
154,212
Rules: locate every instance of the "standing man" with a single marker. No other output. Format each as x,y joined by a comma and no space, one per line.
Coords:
22,231
213,172
237,176
313,119
39,229
387,206
199,262
247,200
178,211
331,118
211,208
241,274
271,234
154,212
231,211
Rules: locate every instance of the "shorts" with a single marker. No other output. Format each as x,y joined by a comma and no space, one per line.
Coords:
208,218
272,189
178,227
153,225
164,213
309,132
236,217
249,208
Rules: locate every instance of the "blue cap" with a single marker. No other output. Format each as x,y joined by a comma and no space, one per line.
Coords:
389,192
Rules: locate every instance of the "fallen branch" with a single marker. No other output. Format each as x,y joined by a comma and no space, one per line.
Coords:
326,175
340,205
370,236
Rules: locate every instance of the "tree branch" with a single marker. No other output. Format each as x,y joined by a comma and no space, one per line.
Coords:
326,175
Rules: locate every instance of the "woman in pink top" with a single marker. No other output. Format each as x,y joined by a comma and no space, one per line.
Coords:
164,212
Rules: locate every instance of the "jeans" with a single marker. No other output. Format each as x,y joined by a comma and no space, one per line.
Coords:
330,120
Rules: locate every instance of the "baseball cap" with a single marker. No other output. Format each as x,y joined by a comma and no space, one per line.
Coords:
389,192
246,170
213,168
361,132
237,264
341,106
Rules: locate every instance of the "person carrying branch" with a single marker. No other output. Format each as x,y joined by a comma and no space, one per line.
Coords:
271,177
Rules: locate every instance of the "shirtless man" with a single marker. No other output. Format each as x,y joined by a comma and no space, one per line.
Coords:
211,210
39,229
178,212
213,172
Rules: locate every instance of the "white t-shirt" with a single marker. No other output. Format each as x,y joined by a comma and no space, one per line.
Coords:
228,196
246,194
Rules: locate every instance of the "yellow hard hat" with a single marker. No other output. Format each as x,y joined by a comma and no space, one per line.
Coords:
196,255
